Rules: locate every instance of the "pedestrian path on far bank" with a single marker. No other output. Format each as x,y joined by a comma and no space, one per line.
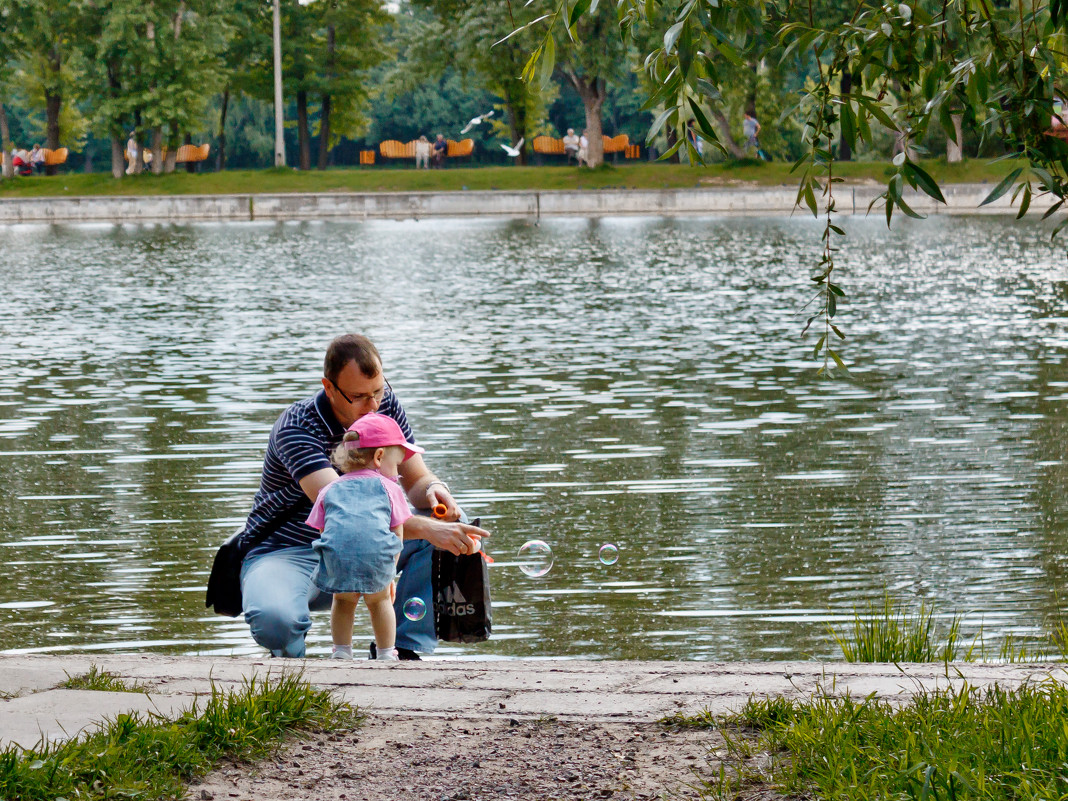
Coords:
33,707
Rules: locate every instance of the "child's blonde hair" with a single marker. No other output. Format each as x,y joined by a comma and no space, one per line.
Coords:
347,459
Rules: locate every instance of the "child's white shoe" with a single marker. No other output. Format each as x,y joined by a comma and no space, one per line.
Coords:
342,652
386,655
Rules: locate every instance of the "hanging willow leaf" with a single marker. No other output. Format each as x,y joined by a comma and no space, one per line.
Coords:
1003,187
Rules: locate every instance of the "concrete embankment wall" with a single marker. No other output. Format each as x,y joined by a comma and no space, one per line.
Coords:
962,199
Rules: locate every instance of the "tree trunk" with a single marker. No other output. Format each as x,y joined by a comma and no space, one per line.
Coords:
87,164
592,93
955,149
324,132
719,119
157,150
190,166
515,101
118,163
302,130
324,113
845,152
5,144
52,104
118,136
220,155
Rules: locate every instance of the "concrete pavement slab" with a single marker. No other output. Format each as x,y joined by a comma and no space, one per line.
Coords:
566,689
56,715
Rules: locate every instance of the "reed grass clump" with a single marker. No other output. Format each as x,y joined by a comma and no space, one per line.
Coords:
887,633
964,743
150,757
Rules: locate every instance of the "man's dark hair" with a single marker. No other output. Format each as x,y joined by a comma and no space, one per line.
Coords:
351,348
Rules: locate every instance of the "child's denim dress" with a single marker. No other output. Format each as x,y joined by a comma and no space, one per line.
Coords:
357,551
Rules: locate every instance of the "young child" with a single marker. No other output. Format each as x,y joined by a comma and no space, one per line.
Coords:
361,516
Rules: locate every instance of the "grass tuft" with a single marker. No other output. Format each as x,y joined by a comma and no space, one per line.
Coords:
97,679
949,744
889,634
150,757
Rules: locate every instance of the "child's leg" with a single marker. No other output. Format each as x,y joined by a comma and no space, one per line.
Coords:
383,620
342,613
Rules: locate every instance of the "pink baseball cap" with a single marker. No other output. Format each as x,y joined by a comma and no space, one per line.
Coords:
380,431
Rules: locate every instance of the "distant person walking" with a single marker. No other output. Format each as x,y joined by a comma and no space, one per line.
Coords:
132,151
751,130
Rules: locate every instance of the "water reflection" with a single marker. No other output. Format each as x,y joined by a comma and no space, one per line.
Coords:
637,381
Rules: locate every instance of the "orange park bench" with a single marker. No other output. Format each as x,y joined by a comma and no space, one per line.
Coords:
551,146
548,146
392,149
53,158
187,154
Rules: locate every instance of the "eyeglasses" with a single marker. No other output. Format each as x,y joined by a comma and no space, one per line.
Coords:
376,396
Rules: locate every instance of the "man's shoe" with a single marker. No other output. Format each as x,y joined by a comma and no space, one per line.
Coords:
404,654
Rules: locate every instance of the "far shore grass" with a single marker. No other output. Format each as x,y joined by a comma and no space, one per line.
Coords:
393,178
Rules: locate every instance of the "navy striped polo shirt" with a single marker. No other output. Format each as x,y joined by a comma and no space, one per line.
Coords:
300,443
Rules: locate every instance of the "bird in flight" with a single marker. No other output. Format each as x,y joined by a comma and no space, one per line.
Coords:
514,151
477,121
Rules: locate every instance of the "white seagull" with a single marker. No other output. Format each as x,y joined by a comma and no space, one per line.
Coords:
514,151
477,121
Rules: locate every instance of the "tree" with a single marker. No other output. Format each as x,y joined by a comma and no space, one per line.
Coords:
911,67
327,48
6,20
588,53
458,34
44,36
247,62
350,48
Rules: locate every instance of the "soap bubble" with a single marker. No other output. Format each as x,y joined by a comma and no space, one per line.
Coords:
535,558
608,554
414,608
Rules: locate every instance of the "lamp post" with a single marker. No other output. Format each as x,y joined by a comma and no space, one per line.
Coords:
279,134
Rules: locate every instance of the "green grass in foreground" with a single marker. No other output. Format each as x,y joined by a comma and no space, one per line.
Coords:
152,758
952,744
97,679
633,175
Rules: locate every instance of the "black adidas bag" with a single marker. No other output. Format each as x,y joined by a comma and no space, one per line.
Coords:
462,611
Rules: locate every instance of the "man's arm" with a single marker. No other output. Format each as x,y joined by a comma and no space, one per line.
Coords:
313,483
426,490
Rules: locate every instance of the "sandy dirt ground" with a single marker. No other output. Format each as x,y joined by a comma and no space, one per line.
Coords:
460,759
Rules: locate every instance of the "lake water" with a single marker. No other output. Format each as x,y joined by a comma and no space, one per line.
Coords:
635,381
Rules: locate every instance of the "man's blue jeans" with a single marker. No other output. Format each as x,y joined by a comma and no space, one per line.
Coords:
278,596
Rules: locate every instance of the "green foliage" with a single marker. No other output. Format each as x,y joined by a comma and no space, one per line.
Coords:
992,743
97,679
867,68
887,633
459,34
150,757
